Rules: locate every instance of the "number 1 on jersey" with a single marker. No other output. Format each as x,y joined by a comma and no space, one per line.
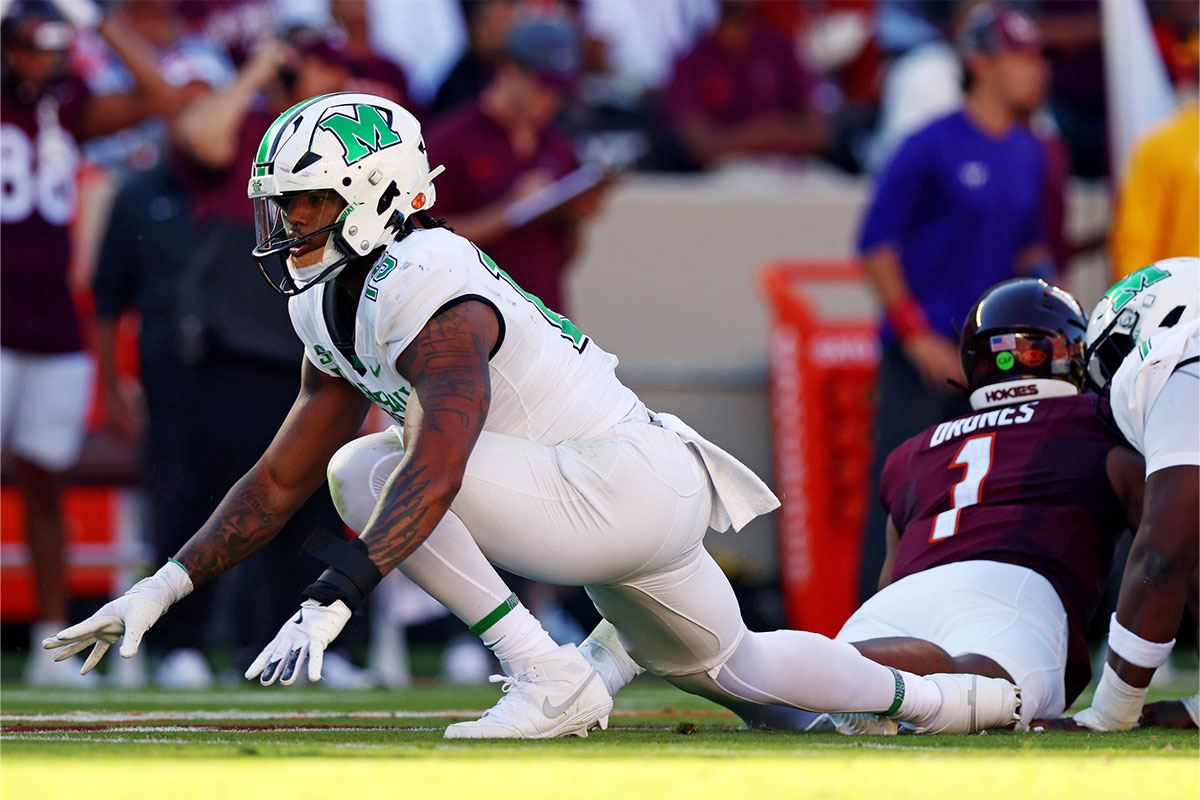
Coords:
976,455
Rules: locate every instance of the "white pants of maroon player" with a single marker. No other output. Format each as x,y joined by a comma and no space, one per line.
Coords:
1007,613
623,515
43,416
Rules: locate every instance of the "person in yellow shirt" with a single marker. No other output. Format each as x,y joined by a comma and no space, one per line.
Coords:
1158,206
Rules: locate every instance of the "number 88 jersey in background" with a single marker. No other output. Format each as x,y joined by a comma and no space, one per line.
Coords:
40,157
1024,484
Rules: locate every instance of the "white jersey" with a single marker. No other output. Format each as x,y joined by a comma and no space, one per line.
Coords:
1156,398
550,383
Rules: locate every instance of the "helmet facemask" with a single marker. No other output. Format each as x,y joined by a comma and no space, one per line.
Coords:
1146,302
298,238
1106,352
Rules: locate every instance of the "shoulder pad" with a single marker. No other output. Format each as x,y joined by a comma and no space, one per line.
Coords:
412,281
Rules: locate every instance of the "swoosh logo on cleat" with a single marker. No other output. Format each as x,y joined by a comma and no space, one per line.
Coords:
552,711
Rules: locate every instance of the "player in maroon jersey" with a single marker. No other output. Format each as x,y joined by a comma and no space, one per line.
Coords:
45,112
1002,524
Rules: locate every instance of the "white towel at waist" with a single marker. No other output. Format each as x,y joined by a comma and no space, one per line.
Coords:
738,495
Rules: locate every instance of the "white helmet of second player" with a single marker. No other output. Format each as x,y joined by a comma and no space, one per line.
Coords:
335,177
1154,298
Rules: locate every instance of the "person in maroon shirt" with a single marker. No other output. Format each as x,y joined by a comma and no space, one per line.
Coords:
488,23
1002,524
505,146
46,112
741,90
369,71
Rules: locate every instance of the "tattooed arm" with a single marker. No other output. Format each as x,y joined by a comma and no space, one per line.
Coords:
447,365
326,415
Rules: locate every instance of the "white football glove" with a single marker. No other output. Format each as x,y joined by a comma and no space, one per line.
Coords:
304,636
130,615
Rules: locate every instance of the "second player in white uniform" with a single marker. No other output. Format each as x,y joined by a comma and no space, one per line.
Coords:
526,452
1144,350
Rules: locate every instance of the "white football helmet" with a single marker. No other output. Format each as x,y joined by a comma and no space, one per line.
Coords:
335,178
1138,306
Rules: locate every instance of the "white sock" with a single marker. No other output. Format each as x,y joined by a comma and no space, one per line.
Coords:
604,651
452,569
807,670
922,699
514,635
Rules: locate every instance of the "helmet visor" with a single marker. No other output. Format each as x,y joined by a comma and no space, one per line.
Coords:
993,356
294,229
298,222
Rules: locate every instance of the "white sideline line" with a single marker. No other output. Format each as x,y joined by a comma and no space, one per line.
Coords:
231,713
28,737
249,696
54,734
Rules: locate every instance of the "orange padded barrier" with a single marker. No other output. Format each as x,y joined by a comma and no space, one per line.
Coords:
822,377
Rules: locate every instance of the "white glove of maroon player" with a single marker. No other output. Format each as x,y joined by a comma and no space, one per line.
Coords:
130,615
305,635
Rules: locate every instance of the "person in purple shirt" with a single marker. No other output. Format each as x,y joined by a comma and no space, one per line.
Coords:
956,210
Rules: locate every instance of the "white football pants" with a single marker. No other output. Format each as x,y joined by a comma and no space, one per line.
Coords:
625,517
1007,613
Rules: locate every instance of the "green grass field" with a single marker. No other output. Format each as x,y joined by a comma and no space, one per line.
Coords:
311,742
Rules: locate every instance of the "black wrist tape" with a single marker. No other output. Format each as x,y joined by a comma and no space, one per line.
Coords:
351,575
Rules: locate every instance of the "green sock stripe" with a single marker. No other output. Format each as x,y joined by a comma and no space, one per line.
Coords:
186,571
899,694
495,615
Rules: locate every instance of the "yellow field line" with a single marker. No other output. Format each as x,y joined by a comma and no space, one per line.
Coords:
895,776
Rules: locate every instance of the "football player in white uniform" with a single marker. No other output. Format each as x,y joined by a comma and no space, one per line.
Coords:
1144,350
514,445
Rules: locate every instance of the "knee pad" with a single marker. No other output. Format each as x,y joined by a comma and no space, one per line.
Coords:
357,473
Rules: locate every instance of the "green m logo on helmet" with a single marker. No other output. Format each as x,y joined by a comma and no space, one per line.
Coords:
365,133
1124,291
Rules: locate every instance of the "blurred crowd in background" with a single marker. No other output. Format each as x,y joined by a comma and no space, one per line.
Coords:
129,128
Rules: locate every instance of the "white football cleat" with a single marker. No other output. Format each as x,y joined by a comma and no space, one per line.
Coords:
183,668
972,703
41,671
558,694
